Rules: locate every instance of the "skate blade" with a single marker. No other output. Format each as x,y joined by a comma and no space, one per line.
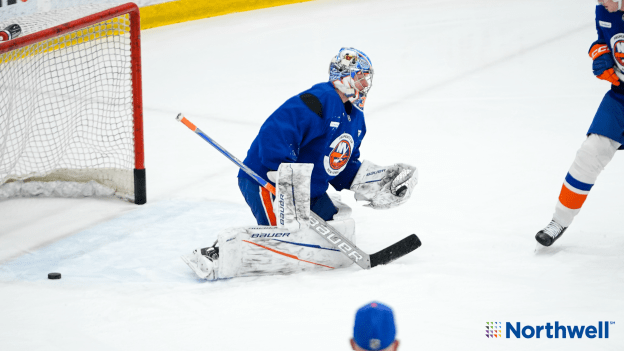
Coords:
539,248
194,267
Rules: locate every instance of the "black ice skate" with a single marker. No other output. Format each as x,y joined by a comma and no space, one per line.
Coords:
211,253
550,234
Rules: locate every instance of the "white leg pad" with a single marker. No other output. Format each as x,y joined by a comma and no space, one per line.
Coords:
292,197
344,211
250,251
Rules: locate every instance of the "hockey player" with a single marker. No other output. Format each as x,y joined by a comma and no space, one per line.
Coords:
605,135
374,329
308,143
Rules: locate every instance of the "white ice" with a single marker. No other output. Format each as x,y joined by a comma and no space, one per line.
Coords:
489,99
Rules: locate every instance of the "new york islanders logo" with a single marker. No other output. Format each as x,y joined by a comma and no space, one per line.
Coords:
340,155
617,43
342,147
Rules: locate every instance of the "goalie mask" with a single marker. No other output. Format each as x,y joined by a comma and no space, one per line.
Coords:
351,72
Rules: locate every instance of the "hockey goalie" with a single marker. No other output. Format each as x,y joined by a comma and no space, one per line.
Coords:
310,142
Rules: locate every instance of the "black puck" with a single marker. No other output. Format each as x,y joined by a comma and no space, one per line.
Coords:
54,275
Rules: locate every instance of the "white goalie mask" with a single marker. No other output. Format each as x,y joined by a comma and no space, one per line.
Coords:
351,72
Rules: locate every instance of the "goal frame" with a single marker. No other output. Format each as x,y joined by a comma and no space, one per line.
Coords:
135,59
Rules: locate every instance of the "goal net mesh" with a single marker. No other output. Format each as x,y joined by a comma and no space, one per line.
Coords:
66,110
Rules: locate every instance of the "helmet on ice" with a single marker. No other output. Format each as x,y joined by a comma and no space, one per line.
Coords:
351,72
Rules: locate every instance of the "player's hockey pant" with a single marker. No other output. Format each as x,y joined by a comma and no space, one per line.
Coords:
595,153
260,201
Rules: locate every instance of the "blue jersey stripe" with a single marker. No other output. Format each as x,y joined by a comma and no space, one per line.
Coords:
578,184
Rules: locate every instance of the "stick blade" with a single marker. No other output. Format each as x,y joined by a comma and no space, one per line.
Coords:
396,250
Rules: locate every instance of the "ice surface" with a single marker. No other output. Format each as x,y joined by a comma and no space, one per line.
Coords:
489,99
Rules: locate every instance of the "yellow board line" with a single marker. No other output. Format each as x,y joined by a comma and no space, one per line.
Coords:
189,10
115,26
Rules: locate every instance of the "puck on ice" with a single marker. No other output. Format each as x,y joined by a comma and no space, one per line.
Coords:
54,275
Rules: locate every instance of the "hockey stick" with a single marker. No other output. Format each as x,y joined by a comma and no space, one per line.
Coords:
361,258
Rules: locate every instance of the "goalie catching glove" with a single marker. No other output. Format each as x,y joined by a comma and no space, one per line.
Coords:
384,187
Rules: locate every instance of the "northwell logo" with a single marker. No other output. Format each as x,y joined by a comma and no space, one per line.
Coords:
493,329
550,331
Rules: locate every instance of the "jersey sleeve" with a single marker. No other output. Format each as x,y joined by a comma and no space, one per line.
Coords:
601,37
281,135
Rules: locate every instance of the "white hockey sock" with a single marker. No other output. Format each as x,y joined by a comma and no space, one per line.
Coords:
595,153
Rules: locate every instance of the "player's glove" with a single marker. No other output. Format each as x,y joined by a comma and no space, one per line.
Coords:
603,63
384,187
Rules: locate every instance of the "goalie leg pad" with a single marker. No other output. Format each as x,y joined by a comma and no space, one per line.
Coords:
292,197
251,251
343,210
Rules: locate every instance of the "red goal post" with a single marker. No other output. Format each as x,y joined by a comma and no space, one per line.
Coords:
71,111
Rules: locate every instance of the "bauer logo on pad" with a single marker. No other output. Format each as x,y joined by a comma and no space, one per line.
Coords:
334,124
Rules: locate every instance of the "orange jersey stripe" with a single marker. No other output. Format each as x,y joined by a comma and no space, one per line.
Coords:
268,205
287,255
570,199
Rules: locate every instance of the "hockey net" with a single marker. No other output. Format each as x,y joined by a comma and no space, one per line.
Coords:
71,119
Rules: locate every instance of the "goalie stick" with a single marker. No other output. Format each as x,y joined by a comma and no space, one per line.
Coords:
359,257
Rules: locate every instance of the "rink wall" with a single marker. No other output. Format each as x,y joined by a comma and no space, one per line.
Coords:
18,8
188,10
154,13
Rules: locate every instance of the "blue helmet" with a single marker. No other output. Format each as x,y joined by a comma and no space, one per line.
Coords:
351,72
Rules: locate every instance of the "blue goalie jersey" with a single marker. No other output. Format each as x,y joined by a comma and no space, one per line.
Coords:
327,135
